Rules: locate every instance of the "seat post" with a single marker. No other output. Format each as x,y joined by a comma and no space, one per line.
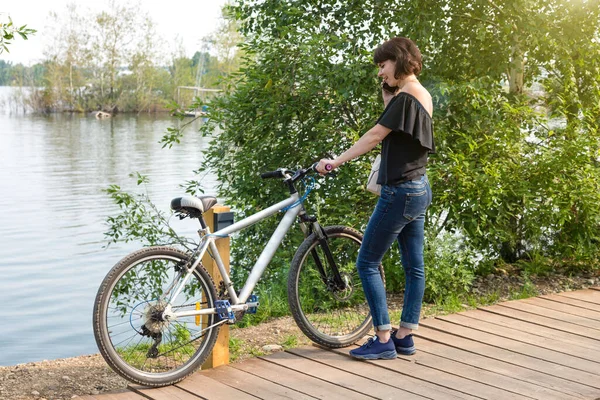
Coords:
202,221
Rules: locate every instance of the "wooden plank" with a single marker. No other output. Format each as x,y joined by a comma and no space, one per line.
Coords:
554,314
220,352
345,379
508,356
405,366
211,389
500,367
537,330
297,381
519,315
125,395
341,361
573,302
517,347
590,296
165,393
253,385
566,308
521,336
492,379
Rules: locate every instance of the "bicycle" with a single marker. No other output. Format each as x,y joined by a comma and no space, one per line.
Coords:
157,313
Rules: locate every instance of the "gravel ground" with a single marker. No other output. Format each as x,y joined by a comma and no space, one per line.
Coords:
70,378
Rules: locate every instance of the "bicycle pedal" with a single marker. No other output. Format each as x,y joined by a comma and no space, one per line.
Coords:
253,299
224,311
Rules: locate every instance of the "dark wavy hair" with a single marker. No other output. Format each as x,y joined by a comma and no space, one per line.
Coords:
404,52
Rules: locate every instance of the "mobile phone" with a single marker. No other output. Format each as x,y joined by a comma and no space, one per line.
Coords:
389,89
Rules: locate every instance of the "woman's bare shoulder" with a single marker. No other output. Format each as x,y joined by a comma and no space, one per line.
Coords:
420,93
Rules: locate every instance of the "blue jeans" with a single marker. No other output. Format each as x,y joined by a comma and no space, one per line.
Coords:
399,215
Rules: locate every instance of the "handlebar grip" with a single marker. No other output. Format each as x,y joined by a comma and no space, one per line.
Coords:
328,167
272,174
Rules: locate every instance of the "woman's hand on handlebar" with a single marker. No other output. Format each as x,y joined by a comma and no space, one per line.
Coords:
325,166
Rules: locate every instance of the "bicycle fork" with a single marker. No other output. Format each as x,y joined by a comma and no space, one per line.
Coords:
309,225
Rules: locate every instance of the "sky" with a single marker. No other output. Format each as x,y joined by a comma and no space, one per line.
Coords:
190,20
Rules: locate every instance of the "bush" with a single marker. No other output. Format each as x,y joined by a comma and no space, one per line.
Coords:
449,268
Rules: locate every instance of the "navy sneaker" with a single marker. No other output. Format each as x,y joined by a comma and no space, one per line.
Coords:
404,346
373,349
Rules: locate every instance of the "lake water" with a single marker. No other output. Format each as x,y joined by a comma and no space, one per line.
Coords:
53,170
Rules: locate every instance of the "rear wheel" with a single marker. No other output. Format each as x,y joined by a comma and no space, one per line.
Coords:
129,328
329,315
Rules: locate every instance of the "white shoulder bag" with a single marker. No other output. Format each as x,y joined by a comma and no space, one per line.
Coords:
372,185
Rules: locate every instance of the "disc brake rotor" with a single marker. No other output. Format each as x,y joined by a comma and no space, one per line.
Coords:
346,293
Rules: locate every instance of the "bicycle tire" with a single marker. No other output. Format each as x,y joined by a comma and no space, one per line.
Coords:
319,309
130,291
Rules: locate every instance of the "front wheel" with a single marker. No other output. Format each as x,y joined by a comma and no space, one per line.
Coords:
129,326
330,314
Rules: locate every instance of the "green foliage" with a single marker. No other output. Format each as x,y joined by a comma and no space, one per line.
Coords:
114,60
20,75
527,290
453,303
290,342
516,90
235,348
139,219
272,295
8,32
449,269
484,300
536,265
504,181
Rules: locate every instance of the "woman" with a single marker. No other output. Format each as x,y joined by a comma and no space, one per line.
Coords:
406,131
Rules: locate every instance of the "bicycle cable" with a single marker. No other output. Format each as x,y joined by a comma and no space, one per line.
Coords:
308,187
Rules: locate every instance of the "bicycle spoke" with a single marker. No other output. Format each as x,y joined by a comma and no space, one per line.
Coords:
327,314
133,317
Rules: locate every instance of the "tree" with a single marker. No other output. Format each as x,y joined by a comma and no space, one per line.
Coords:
5,72
503,179
113,35
549,44
107,60
225,44
68,57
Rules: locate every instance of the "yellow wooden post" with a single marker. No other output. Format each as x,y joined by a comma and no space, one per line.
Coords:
220,353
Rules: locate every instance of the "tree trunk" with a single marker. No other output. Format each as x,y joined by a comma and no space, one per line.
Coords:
71,86
517,65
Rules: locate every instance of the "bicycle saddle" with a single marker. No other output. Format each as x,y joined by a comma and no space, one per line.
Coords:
196,203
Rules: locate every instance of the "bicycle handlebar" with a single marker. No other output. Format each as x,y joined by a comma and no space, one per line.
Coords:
295,175
272,174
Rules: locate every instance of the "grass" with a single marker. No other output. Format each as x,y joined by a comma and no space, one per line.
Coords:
255,352
290,342
527,290
467,301
235,348
274,303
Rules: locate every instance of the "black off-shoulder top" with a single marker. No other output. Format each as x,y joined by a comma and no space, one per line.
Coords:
405,150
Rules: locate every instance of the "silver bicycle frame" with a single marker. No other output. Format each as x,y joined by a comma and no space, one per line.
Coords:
239,303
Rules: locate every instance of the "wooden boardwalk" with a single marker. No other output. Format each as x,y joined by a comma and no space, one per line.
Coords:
544,348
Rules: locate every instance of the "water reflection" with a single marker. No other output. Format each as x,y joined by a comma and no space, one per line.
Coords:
52,211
